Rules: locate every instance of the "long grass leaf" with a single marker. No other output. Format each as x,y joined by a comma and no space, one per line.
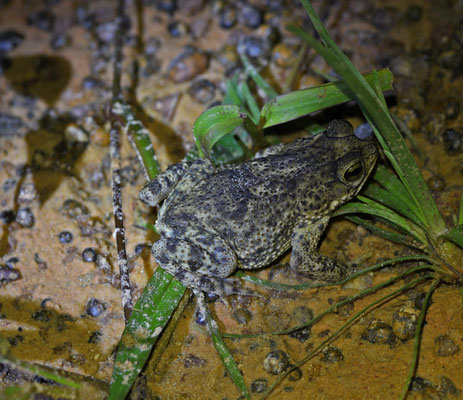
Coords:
299,103
391,201
417,341
373,208
150,314
376,112
455,235
392,236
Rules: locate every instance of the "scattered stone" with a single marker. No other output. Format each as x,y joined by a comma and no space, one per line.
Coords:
445,346
260,385
168,6
202,90
189,64
25,217
43,20
8,274
73,209
95,307
227,17
332,355
250,16
89,255
60,41
65,237
404,322
295,374
241,315
9,40
448,387
10,125
436,183
452,109
276,362
453,140
7,216
379,332
178,29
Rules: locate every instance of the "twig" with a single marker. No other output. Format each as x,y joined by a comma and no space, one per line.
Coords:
114,134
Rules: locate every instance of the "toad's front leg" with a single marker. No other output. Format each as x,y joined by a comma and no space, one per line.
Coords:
306,259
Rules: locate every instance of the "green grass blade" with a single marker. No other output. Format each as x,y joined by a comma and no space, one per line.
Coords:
379,115
251,102
455,235
215,123
460,214
299,103
269,91
373,208
391,201
150,314
392,236
417,341
222,349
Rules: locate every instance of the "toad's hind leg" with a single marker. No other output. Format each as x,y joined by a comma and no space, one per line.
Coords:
204,269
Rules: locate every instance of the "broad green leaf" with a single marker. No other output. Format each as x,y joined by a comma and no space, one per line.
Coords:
150,314
215,123
299,103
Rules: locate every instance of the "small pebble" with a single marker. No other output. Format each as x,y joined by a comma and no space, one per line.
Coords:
404,322
434,127
43,20
8,274
447,386
436,183
332,355
65,237
249,16
42,316
95,337
178,29
276,362
419,384
452,109
446,347
90,82
7,216
202,90
27,193
189,64
89,255
241,315
379,332
255,47
9,40
95,307
227,17
25,217
295,374
168,6
260,385
453,140
9,125
73,209
60,40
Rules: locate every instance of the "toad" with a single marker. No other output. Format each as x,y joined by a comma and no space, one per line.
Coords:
216,219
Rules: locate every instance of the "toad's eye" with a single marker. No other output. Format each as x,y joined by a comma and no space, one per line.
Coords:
354,172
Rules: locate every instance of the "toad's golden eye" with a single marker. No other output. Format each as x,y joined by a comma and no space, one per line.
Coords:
354,172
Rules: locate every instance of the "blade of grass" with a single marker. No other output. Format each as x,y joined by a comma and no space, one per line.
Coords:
222,349
269,91
392,236
373,208
299,103
150,314
391,201
417,341
455,235
375,110
460,214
